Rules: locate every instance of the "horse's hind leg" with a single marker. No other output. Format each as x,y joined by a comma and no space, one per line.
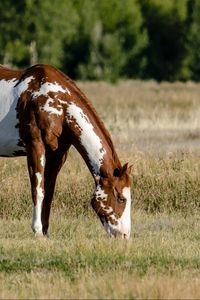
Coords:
54,162
36,165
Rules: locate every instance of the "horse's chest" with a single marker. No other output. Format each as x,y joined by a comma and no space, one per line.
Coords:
9,134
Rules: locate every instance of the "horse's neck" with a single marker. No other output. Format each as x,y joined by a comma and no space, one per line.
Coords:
92,139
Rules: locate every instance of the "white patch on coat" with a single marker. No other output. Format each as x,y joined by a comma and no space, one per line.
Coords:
22,86
52,87
88,138
50,109
42,160
107,209
114,219
45,89
6,96
37,209
99,193
10,92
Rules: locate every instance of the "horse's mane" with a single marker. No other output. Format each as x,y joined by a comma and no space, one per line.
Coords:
94,114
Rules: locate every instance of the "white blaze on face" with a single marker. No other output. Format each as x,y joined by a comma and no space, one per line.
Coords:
125,220
10,92
37,209
44,90
88,138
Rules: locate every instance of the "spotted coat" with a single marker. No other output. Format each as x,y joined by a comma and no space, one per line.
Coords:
43,113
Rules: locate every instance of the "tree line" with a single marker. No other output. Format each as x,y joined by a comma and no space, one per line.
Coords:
104,39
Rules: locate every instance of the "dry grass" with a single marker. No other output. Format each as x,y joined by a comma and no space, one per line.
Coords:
149,116
162,183
157,128
58,287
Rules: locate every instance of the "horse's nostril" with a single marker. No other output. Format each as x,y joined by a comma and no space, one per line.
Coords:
125,236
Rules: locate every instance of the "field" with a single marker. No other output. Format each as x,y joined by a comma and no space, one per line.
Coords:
156,127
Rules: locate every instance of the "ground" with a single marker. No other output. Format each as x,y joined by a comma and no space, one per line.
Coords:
157,128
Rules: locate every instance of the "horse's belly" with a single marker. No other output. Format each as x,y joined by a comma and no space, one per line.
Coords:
9,134
9,142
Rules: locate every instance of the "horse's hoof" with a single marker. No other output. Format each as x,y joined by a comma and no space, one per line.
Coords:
38,235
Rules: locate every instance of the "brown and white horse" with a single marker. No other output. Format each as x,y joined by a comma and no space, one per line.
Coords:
43,113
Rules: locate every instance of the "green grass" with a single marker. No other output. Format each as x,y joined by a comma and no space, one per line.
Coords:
155,127
78,250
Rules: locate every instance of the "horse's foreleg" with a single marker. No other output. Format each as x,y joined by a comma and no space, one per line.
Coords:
36,165
54,162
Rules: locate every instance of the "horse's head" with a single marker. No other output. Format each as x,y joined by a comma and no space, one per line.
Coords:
112,202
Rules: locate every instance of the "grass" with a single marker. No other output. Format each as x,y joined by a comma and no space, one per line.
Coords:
163,183
155,127
79,261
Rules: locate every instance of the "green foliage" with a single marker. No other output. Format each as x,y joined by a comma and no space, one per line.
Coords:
37,30
166,25
110,40
92,39
194,39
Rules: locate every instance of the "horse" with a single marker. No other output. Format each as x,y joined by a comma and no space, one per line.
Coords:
43,113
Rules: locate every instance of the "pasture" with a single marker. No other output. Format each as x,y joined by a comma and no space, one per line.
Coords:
156,127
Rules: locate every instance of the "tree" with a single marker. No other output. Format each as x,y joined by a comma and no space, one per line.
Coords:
123,23
194,38
111,40
34,28
167,52
104,39
12,48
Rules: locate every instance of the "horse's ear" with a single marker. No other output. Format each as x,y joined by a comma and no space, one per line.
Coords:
129,170
126,169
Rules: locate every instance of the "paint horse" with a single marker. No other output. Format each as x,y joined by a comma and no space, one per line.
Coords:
43,113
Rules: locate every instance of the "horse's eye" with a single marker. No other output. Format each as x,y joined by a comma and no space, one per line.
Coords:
121,199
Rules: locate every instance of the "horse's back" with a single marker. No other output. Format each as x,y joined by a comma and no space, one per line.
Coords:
9,74
40,90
